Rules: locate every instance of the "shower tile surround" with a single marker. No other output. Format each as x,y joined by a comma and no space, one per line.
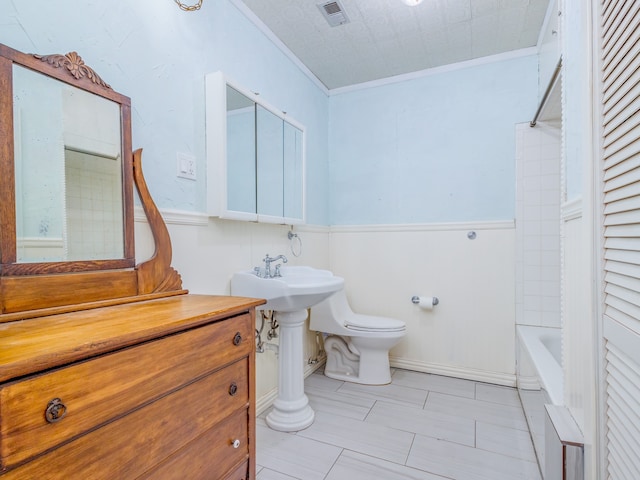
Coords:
538,225
419,427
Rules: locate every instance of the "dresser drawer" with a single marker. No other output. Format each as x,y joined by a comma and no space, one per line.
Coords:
98,390
130,445
240,473
211,456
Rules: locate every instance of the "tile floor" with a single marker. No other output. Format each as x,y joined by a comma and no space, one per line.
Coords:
419,427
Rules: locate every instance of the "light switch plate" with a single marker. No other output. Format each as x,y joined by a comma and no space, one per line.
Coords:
186,166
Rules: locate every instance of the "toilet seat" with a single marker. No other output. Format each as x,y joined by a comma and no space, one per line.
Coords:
368,323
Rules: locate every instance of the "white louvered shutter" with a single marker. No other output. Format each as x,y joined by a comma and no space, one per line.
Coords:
620,76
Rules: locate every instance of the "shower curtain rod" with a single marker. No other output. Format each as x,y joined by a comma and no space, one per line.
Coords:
545,97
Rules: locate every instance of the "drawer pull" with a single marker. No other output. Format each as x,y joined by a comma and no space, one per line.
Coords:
56,410
237,339
233,388
236,443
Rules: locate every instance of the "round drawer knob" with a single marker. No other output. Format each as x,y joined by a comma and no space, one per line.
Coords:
56,410
236,443
233,388
237,339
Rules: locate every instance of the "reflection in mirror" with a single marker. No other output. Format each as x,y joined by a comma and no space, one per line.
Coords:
241,152
270,152
293,172
68,167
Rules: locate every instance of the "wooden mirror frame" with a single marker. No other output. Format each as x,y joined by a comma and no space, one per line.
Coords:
35,289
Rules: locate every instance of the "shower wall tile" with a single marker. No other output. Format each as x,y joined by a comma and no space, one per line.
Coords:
538,225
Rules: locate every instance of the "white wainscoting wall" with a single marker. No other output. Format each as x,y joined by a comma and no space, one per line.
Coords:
206,253
578,335
470,333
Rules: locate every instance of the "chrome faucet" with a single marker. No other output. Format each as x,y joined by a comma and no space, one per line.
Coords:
267,265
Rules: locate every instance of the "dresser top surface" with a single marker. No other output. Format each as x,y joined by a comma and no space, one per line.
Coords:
34,345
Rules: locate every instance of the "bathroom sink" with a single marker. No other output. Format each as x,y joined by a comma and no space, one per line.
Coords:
297,289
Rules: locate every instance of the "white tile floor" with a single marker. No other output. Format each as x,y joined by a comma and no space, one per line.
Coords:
419,427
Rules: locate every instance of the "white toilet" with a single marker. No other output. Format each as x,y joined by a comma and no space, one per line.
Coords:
358,345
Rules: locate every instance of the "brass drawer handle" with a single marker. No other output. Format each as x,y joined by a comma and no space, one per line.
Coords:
56,410
233,388
237,339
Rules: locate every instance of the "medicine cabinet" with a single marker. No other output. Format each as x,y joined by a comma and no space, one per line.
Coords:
255,157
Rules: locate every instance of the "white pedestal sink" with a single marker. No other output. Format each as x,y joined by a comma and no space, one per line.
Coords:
289,296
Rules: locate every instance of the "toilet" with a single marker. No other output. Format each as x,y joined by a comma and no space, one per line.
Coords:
357,345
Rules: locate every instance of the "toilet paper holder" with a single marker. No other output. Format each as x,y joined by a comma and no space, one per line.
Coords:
416,299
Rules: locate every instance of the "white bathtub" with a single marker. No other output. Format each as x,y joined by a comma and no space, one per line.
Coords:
540,361
539,357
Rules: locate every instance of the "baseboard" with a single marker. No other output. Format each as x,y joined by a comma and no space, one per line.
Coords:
497,378
266,400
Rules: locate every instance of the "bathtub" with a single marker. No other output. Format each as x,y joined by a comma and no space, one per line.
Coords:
539,359
539,378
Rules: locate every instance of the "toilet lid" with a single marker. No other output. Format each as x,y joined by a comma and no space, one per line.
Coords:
371,323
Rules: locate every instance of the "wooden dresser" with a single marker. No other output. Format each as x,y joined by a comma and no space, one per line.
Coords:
109,369
158,389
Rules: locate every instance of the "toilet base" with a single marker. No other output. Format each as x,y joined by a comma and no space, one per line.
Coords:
370,366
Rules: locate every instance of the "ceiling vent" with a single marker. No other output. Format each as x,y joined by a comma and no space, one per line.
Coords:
334,13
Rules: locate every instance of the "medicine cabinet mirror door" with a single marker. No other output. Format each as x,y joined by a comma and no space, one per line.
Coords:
240,186
255,157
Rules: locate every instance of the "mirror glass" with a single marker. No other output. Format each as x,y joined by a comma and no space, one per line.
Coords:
255,157
241,152
293,171
68,171
270,151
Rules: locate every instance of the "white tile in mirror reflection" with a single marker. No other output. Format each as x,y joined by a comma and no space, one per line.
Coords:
434,383
339,404
355,466
293,455
375,440
466,463
391,393
504,440
488,412
416,420
497,394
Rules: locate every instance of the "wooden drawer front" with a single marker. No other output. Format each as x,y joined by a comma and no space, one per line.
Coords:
129,446
209,457
240,473
101,389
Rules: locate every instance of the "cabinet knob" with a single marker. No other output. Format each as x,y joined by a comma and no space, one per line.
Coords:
236,443
56,410
237,339
233,388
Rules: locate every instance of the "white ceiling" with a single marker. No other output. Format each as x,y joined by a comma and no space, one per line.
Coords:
386,37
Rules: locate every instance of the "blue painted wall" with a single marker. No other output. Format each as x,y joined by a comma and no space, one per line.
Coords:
434,149
158,55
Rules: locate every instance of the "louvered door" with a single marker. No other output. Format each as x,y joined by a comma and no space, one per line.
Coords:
620,83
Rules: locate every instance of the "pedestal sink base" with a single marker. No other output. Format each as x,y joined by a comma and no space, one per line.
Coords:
288,296
286,417
291,411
